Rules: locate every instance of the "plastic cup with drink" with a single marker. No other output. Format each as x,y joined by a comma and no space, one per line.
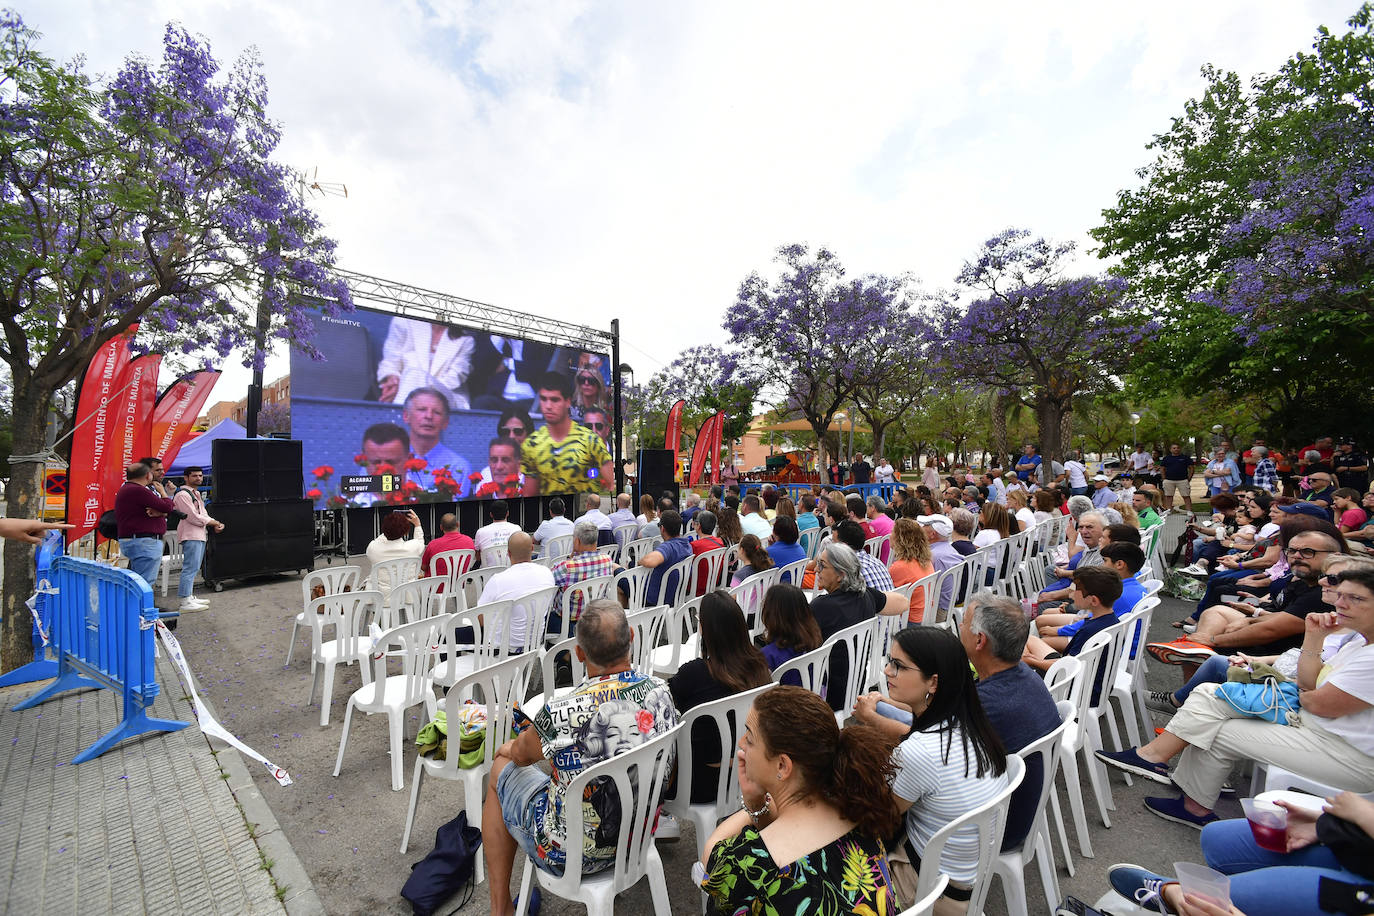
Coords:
1204,882
1268,823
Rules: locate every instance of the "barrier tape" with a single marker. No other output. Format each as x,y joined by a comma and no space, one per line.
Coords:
208,724
43,588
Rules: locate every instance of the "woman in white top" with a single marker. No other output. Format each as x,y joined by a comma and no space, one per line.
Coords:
1018,502
1332,741
418,354
994,524
1077,474
951,761
401,537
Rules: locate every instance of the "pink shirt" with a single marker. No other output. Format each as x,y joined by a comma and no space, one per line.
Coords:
1353,518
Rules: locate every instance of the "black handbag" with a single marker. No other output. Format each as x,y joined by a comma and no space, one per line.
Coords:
448,868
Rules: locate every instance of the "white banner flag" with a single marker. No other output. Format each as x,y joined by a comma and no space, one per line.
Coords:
208,724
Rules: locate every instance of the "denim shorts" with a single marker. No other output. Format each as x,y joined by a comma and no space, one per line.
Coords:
517,789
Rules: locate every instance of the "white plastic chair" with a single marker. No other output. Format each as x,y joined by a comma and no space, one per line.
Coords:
462,658
1010,866
633,550
707,571
557,547
418,598
335,580
589,590
639,776
452,564
636,582
171,557
749,596
727,717
418,643
792,573
348,615
885,626
1078,739
500,688
1128,686
647,626
495,556
674,582
680,647
473,582
990,820
812,667
623,534
388,574
548,668
858,644
610,550
926,905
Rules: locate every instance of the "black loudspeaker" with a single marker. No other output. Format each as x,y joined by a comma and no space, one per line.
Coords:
260,538
655,466
256,470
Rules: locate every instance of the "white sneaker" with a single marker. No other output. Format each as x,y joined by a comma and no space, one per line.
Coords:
193,604
668,828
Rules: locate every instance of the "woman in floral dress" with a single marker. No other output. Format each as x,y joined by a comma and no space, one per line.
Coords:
815,806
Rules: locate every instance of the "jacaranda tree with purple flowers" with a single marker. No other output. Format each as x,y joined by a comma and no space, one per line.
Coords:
1249,238
808,330
1043,338
708,378
152,199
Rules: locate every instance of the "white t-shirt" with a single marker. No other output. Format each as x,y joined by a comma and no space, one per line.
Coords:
1026,515
1078,474
884,473
939,792
1139,460
1352,670
754,523
493,535
512,584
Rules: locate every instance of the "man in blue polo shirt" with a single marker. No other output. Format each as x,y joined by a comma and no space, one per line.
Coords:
674,549
1028,465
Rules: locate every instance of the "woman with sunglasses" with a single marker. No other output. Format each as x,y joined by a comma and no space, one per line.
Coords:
1332,741
589,393
950,762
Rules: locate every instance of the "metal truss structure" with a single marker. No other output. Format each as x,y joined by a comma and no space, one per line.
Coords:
415,302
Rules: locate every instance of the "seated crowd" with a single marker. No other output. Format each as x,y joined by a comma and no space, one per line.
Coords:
837,819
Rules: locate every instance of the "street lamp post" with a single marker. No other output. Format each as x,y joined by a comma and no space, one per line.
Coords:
1135,423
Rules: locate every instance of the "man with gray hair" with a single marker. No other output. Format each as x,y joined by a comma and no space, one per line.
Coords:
613,710
693,507
1091,526
586,562
1266,475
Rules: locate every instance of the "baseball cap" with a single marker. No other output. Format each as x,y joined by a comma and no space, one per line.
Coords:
1102,477
1311,509
941,523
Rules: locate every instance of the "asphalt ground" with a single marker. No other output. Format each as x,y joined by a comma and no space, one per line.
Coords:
346,831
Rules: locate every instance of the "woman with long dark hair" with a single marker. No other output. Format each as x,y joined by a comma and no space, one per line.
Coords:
815,809
951,760
729,663
789,626
752,559
727,526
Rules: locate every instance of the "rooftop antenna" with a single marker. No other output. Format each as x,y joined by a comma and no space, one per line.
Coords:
313,188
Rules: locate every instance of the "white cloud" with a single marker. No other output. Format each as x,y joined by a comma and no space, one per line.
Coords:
590,161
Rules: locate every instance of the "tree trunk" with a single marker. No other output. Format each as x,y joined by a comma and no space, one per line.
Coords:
999,426
24,496
1049,416
822,453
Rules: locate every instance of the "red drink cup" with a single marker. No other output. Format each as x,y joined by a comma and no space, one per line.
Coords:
1268,824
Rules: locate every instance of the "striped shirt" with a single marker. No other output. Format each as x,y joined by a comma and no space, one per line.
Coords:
939,792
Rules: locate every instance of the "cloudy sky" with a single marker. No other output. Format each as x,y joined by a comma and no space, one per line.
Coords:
591,161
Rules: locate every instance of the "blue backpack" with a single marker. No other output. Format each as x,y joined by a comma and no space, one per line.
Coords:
446,870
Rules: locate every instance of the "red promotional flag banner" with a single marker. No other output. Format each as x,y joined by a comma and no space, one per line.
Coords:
716,433
176,411
129,418
672,434
701,451
92,439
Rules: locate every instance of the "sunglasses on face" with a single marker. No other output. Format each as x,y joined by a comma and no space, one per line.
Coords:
514,431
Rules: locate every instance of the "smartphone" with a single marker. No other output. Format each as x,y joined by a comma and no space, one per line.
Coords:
1072,906
1251,600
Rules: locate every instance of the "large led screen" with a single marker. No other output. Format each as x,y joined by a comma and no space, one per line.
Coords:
403,410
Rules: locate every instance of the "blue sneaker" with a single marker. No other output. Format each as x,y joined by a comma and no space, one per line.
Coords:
1132,762
1173,809
1140,885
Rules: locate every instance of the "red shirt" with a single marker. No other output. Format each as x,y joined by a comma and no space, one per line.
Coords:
454,540
130,503
700,546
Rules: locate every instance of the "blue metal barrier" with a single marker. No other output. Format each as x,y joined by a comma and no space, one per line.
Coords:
885,490
44,664
101,626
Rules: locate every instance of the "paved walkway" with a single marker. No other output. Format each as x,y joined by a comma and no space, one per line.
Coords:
159,824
